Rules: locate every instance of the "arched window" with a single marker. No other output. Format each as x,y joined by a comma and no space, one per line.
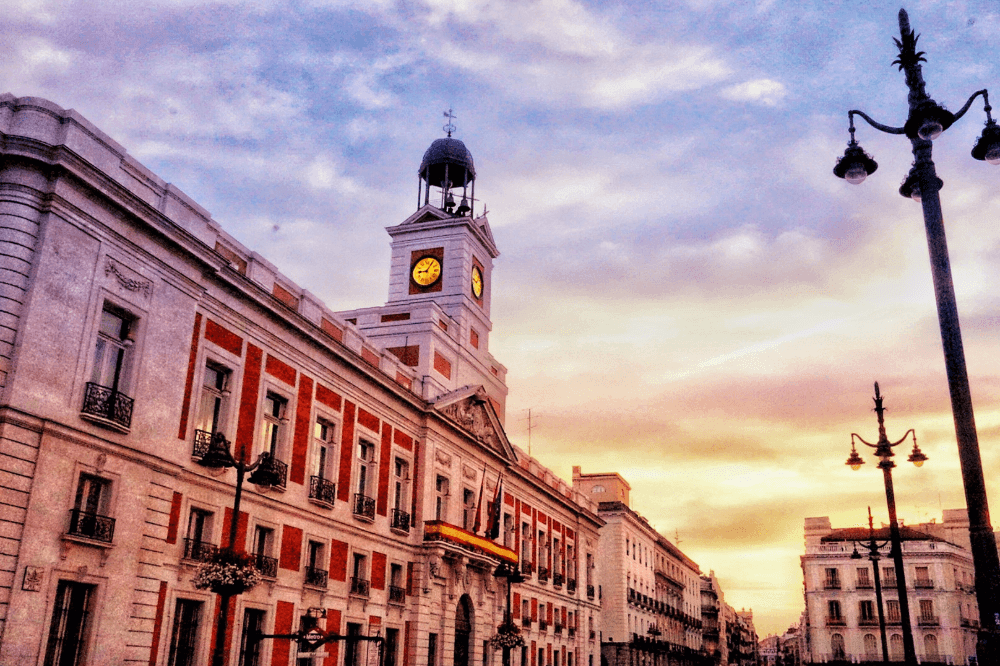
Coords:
930,647
871,647
837,646
896,647
597,489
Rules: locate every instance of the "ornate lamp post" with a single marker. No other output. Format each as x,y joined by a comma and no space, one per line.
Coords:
925,122
883,449
218,457
873,554
513,575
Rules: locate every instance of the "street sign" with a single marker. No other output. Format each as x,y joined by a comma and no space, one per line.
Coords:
312,637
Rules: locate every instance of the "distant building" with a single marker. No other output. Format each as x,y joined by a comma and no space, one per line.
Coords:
743,640
770,651
651,592
841,612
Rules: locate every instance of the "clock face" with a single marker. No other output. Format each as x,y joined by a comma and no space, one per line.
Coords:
477,282
426,271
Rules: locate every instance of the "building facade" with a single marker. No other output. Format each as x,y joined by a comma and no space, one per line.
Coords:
136,330
651,591
841,612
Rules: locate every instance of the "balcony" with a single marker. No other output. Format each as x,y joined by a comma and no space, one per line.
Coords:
456,539
202,440
558,629
836,622
267,566
590,591
831,584
928,621
558,579
364,507
400,521
868,622
359,587
864,585
593,634
527,568
271,467
315,577
543,574
91,526
107,405
198,550
525,621
397,595
543,625
923,584
571,631
322,491
571,586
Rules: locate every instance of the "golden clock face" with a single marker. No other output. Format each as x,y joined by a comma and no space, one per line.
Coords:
477,282
426,271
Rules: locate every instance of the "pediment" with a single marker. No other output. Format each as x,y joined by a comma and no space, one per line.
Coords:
470,409
426,213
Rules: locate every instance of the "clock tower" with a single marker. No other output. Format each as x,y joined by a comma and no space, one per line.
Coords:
437,318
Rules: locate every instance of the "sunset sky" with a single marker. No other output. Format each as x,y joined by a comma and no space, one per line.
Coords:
685,295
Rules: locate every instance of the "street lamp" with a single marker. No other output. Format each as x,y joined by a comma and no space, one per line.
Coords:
873,554
883,449
513,575
219,458
925,122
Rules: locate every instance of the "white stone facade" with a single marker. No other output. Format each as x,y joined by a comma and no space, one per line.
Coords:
841,611
133,327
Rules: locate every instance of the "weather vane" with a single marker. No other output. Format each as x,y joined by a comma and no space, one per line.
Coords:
450,127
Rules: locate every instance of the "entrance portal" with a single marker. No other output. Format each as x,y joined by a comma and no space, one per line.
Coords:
463,630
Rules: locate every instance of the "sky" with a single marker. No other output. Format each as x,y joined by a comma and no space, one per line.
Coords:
685,293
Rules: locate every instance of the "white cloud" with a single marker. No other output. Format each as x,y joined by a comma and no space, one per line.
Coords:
760,91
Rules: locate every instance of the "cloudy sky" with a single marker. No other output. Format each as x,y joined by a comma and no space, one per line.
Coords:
685,293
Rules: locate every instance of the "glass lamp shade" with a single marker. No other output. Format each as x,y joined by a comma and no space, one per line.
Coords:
856,174
854,165
993,154
917,456
988,145
930,130
854,461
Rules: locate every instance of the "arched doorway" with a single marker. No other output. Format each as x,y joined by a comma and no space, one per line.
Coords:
463,630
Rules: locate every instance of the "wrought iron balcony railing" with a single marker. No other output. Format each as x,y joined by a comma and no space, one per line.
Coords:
558,629
923,584
864,585
593,634
527,568
275,467
400,521
835,622
267,566
558,579
359,587
198,550
928,621
322,491
525,621
831,584
105,403
397,595
91,526
543,574
364,506
543,625
571,631
315,577
202,440
571,585
868,622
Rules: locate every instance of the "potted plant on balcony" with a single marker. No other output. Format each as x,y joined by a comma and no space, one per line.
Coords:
508,637
227,572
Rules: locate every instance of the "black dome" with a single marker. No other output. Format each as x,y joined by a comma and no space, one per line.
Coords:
453,154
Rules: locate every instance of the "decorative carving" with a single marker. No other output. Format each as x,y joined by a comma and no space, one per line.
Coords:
469,472
32,579
140,285
471,415
102,460
442,457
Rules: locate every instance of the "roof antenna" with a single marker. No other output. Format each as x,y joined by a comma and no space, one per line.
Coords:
450,127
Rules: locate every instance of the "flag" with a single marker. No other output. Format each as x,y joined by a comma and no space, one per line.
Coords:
479,506
493,526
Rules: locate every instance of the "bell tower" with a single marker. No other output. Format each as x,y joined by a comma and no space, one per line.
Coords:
437,317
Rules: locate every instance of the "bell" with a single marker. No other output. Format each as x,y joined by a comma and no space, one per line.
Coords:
449,202
463,207
217,456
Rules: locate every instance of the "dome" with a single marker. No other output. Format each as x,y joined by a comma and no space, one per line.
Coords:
450,153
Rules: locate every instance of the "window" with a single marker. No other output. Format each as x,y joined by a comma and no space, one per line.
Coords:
315,573
364,505
525,613
864,581
833,612
889,576
927,612
391,647
832,579
896,647
432,642
397,593
441,491
931,647
359,577
597,489
68,629
892,611
923,578
837,646
400,494
212,410
866,611
468,508
89,517
508,530
263,545
271,430
321,489
871,647
184,635
253,623
197,543
351,649
106,394
525,546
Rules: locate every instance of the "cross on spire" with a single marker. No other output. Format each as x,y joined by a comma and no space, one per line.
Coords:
450,127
